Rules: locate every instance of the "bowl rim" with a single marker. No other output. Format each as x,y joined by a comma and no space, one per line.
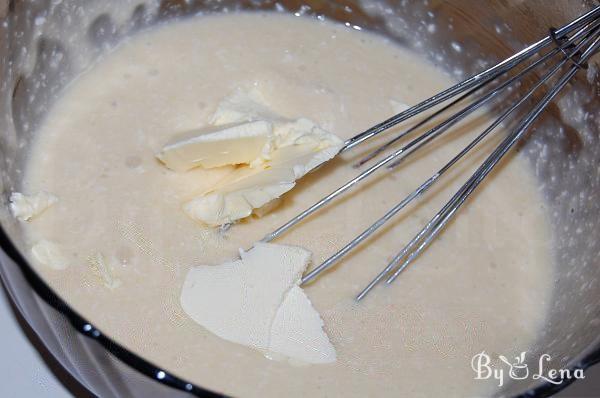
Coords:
87,329
160,375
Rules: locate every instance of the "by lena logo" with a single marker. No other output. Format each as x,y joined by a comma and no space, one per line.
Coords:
518,369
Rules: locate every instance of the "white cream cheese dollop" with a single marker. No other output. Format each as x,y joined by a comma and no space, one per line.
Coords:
271,152
27,207
257,302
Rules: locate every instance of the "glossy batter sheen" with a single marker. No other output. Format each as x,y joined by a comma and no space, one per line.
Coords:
484,285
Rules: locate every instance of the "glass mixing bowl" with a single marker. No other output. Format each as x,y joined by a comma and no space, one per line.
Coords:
37,59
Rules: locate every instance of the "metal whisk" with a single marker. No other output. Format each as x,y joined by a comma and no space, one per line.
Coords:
563,52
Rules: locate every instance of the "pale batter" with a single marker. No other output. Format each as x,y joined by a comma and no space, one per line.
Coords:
118,221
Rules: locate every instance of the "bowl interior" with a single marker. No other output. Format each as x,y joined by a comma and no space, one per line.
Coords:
46,43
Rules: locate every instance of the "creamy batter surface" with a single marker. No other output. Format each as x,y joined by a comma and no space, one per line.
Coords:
119,223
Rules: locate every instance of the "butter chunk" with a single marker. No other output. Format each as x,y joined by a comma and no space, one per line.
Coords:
239,200
50,255
268,208
217,146
27,207
242,106
299,147
256,301
271,153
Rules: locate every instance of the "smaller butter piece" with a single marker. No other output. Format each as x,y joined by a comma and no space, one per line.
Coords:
49,254
216,146
27,207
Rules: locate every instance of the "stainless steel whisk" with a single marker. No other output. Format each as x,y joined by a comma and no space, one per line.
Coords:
564,51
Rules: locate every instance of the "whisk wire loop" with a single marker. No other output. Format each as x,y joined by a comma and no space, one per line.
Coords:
575,42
